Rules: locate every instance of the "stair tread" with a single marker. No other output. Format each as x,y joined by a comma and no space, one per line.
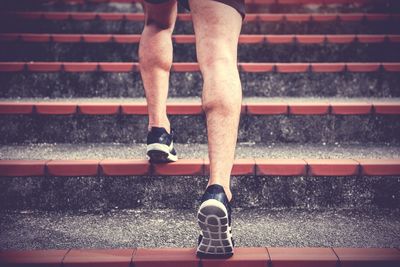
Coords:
189,38
101,151
177,228
127,100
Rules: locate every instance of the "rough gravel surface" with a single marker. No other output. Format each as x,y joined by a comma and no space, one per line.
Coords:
244,150
172,228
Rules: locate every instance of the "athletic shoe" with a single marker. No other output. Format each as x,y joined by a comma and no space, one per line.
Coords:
214,219
160,145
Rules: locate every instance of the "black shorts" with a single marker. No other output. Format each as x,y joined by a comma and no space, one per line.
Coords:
236,4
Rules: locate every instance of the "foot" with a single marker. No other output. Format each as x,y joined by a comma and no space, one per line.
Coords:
214,219
160,145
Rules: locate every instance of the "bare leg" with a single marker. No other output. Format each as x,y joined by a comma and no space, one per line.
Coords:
155,57
217,27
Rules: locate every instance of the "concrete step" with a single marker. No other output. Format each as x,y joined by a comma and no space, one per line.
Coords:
292,176
119,79
251,6
260,23
185,257
252,48
178,229
293,120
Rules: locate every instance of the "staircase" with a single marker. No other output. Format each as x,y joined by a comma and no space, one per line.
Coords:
316,179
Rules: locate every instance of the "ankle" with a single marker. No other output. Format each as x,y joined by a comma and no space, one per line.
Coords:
227,190
164,124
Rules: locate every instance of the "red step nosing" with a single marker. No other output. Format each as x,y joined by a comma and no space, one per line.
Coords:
267,108
341,38
393,38
66,38
97,38
194,67
332,167
49,257
351,108
59,108
185,67
184,17
280,39
166,257
136,108
126,38
391,67
310,257
80,66
309,108
328,67
371,38
386,108
251,39
377,17
99,108
324,17
363,67
12,66
184,39
171,257
281,167
134,16
310,39
195,108
180,167
73,167
243,257
16,108
110,16
44,66
83,15
99,257
351,17
379,166
119,167
298,17
268,17
22,167
292,67
256,67
35,37
178,108
240,166
118,66
368,256
56,15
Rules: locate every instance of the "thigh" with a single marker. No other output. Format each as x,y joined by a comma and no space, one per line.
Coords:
217,27
162,13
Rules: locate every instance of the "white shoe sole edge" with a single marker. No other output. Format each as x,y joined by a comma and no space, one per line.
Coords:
212,218
162,148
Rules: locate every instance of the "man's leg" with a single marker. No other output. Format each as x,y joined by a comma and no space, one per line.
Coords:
155,57
217,27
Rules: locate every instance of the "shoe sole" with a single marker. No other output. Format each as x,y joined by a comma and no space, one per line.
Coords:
212,218
160,153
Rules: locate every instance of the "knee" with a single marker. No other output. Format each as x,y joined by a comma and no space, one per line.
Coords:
221,62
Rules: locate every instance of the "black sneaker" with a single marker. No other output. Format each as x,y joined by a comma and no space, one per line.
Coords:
214,218
160,145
